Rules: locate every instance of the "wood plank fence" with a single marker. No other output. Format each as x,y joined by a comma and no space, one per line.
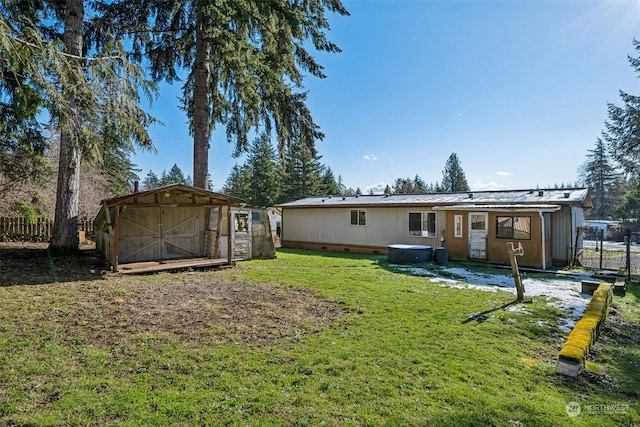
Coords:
19,229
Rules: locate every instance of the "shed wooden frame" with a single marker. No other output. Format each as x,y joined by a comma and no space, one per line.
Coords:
167,223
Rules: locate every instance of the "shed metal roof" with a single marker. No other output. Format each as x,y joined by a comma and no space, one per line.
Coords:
199,195
565,196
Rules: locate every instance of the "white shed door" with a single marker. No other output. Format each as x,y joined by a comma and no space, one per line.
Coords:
241,237
478,235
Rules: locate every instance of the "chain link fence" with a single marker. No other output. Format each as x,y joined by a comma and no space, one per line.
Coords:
599,254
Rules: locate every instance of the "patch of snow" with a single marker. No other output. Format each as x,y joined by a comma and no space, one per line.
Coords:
518,308
561,293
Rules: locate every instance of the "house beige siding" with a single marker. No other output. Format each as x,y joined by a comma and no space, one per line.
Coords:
330,228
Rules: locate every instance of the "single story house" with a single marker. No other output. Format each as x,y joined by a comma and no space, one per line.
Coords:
175,222
471,225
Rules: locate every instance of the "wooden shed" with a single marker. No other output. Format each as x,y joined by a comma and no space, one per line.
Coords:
166,224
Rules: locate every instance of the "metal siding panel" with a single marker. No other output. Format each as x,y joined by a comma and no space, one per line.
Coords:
385,226
561,234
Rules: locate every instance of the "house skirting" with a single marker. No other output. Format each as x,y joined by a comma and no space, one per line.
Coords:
335,247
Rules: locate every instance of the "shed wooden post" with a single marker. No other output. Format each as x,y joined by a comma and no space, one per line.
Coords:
218,225
116,237
230,234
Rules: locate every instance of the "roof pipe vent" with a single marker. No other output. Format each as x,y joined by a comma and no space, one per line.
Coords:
567,194
540,193
344,198
471,195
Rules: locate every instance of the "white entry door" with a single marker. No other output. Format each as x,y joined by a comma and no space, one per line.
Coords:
478,227
241,237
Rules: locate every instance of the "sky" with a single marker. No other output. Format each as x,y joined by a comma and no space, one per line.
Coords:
518,89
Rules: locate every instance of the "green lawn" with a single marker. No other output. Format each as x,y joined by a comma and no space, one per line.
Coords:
309,338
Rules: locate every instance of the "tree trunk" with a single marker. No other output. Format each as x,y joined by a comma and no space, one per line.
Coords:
64,236
201,109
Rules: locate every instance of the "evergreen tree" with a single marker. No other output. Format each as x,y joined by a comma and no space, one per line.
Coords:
238,183
604,181
387,190
265,173
302,173
623,126
246,62
408,185
121,173
630,208
175,176
453,178
92,101
151,181
329,185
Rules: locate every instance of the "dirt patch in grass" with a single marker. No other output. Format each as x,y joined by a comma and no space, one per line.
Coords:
192,307
91,306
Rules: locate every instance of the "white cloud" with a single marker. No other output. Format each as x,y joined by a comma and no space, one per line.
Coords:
491,185
370,157
501,173
376,188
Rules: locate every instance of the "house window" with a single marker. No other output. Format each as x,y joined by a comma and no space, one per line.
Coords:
422,224
241,222
513,227
358,217
256,217
457,226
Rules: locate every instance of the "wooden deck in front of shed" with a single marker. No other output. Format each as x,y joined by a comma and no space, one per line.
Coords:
148,267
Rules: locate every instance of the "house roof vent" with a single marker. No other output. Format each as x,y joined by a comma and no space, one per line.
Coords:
567,194
471,195
540,192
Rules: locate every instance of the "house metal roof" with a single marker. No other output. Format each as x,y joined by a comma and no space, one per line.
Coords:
501,207
565,196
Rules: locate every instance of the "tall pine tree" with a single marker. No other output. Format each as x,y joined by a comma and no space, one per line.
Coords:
303,173
238,183
265,173
453,178
622,128
245,63
605,182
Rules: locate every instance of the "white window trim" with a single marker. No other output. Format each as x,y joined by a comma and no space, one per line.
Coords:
365,218
424,215
457,221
